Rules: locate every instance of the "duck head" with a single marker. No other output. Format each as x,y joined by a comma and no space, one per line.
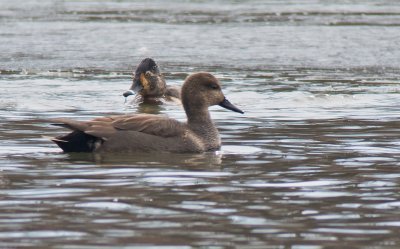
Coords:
147,80
202,90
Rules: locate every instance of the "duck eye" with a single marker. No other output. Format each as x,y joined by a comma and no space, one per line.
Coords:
213,86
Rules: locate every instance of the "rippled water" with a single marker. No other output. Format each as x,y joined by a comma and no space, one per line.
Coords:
313,162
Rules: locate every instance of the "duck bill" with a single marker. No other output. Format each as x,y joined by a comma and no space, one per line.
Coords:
228,105
128,93
135,88
140,82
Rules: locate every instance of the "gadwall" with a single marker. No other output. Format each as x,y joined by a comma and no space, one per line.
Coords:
147,132
149,84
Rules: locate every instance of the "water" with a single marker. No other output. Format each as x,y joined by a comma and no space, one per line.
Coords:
313,162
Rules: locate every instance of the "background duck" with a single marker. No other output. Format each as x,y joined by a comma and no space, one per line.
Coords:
146,132
149,84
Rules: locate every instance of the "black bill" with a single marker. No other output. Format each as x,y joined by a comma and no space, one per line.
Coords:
145,65
135,88
228,105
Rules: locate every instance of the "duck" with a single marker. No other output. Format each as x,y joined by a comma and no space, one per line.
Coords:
150,86
149,132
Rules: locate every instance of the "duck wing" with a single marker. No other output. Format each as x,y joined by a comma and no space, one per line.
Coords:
70,124
149,124
173,91
106,127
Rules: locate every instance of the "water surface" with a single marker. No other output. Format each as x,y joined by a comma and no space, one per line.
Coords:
313,162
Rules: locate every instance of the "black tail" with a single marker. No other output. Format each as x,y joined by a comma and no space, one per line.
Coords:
77,141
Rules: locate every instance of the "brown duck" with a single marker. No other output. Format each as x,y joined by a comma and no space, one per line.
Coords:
149,84
146,132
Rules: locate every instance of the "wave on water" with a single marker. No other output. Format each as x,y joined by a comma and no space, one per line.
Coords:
362,13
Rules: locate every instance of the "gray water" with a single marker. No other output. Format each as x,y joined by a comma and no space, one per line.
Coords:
313,163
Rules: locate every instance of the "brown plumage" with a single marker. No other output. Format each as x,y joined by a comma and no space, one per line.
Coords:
146,132
149,84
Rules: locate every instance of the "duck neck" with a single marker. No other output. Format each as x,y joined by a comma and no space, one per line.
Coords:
199,121
200,116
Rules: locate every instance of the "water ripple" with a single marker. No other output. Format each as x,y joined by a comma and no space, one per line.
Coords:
313,162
